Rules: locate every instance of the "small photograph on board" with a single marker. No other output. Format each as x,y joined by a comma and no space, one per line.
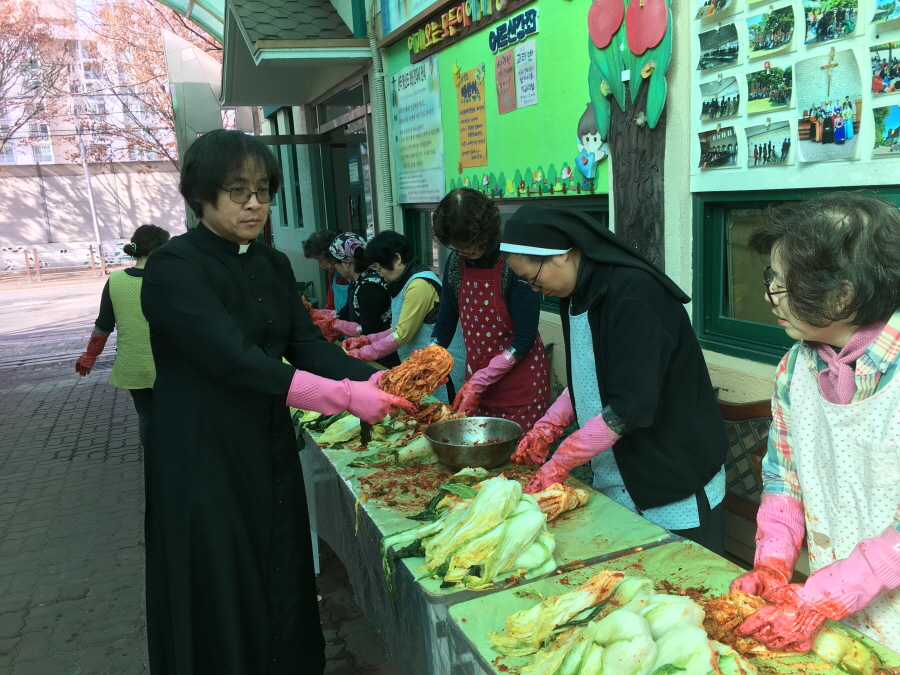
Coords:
829,98
828,20
769,89
719,98
885,68
718,47
768,144
887,131
718,148
717,8
886,10
770,33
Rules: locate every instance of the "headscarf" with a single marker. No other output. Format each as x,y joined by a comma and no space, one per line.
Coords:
542,229
344,246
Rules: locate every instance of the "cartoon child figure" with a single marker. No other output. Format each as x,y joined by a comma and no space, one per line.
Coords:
592,146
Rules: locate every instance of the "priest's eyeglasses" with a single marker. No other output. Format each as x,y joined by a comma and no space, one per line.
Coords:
533,283
242,195
767,279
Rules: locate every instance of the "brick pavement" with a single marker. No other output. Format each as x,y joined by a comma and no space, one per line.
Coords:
71,526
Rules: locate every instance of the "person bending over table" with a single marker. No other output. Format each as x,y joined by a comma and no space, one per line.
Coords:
638,385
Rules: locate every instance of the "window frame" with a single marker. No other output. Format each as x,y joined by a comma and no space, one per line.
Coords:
727,335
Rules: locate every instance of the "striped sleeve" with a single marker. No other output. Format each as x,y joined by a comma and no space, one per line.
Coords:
778,470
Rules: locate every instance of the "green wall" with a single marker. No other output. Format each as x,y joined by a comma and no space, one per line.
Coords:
541,137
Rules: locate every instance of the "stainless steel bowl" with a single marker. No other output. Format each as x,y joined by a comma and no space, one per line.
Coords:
474,441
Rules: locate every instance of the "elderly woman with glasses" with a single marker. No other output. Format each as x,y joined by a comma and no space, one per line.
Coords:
832,471
230,582
638,385
507,374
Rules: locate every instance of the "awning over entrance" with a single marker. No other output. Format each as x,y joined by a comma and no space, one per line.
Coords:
282,52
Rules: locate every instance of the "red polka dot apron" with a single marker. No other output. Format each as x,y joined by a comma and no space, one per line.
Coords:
848,463
523,394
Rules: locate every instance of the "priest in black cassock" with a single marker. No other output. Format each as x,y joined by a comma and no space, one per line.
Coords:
230,582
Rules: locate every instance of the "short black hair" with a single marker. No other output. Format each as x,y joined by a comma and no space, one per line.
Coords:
384,246
217,157
317,245
466,219
145,240
841,256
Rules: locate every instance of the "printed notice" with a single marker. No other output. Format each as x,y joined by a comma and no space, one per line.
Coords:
472,132
526,74
504,72
416,139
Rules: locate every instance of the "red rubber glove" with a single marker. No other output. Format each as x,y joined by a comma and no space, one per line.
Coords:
329,397
87,360
322,314
582,446
363,340
375,350
535,444
347,328
837,590
469,396
780,526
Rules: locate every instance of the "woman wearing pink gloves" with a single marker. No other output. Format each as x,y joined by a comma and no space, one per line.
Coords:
638,385
507,374
832,471
230,582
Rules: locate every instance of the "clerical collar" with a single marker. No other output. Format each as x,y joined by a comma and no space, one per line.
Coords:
242,248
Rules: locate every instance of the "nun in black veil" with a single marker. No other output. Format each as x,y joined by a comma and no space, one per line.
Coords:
638,384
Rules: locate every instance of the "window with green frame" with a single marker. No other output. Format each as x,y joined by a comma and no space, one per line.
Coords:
731,312
417,222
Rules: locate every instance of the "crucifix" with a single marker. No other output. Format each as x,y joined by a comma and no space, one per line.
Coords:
827,68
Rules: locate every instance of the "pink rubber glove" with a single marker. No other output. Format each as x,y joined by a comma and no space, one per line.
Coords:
378,348
95,346
842,588
780,526
469,396
583,445
535,444
347,328
330,397
376,376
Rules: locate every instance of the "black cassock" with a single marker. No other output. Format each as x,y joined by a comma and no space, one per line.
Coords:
230,582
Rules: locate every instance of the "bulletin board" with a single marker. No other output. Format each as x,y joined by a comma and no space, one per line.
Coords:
522,138
794,94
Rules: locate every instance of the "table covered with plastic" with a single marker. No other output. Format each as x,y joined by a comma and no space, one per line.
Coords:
412,615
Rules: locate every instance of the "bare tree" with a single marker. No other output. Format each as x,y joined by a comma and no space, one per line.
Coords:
31,70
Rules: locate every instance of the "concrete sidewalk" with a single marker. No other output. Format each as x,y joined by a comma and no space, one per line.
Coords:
71,525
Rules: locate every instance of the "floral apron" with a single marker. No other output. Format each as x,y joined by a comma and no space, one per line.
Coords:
848,464
523,394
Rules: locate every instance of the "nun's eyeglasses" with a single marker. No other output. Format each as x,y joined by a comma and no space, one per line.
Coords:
767,279
533,283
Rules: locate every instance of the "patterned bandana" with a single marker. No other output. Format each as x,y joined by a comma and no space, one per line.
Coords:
344,246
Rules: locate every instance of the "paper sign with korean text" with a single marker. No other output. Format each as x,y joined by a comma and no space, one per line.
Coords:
526,74
472,131
505,75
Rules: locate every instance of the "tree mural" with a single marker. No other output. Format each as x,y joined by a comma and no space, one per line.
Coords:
630,47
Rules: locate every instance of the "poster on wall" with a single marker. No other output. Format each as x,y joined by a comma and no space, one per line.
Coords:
416,140
770,33
718,48
769,89
394,13
470,109
886,10
887,131
829,97
526,74
715,8
825,21
719,99
718,148
885,60
505,77
768,144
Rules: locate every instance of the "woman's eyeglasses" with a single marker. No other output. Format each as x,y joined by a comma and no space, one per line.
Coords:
767,279
461,252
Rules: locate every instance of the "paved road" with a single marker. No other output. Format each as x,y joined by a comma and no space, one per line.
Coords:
72,506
